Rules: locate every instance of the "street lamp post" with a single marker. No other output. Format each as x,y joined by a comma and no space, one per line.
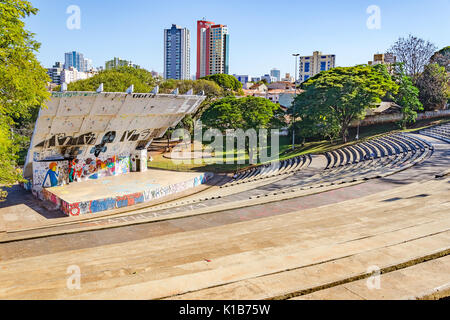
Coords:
357,131
293,102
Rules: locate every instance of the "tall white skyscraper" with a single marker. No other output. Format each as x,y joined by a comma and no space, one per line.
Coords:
177,53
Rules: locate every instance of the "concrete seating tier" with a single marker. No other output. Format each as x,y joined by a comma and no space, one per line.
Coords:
441,132
373,158
270,170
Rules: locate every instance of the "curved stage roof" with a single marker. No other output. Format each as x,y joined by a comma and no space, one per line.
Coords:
86,124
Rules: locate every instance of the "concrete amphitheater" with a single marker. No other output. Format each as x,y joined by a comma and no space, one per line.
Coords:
367,221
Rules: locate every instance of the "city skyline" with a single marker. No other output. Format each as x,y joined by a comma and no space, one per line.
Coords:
136,34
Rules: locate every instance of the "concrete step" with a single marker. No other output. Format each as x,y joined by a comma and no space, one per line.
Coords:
430,279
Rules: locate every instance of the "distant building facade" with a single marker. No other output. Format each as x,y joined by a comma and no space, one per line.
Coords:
177,53
312,65
55,73
118,62
276,74
288,77
213,41
72,74
387,59
281,85
259,87
242,78
269,78
76,60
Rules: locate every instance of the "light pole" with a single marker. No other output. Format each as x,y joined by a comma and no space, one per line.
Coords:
293,102
357,131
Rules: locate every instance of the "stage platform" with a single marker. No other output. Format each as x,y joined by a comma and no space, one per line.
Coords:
92,196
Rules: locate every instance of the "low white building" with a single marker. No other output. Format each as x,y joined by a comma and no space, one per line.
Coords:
72,75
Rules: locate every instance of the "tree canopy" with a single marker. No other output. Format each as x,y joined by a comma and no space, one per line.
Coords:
333,99
433,87
22,82
225,81
407,96
414,53
442,57
117,80
241,113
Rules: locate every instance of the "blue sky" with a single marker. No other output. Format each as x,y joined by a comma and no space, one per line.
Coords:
263,34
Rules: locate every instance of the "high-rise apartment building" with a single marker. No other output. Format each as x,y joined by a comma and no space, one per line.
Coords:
177,53
213,42
312,65
76,60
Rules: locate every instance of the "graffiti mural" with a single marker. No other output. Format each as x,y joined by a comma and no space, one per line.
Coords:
50,174
95,206
95,168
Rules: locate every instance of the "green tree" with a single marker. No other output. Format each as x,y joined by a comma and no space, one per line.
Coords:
442,58
117,80
407,97
226,82
22,82
333,99
433,86
264,81
241,113
224,114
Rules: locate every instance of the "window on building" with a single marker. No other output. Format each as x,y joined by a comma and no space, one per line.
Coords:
306,67
323,66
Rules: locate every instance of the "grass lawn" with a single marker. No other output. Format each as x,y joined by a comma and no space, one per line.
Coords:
285,152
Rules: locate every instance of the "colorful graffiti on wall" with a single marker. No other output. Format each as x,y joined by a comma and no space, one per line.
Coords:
94,206
95,168
58,173
50,174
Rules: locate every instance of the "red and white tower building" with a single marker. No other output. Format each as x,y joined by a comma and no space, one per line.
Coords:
212,48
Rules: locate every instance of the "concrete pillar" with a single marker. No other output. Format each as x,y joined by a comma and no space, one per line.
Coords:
139,161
